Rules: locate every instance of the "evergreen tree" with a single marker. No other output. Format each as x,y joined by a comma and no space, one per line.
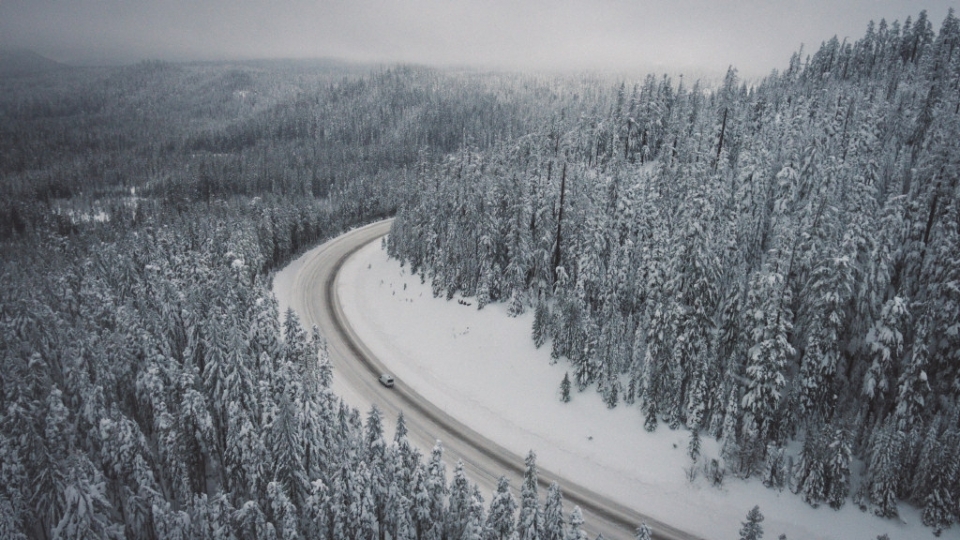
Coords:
420,505
575,532
436,486
565,388
885,341
774,471
837,468
810,476
530,521
939,505
554,527
693,448
500,523
376,458
540,317
752,530
884,471
473,530
767,358
286,442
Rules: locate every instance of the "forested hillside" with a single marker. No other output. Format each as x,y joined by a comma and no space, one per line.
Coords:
761,263
149,389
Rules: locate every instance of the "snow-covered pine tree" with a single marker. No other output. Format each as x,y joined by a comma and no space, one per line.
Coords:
457,514
576,532
436,486
752,528
530,520
913,385
828,293
565,388
420,504
839,454
769,315
883,477
774,470
501,523
540,317
473,530
375,449
554,524
940,503
885,342
693,448
810,475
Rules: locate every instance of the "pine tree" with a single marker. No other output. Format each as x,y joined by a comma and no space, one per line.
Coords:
837,468
458,508
693,448
830,288
767,305
515,307
730,444
500,519
436,485
885,341
399,522
540,317
939,505
576,523
913,384
285,442
774,471
643,532
810,477
883,477
553,521
375,448
752,530
85,511
283,514
530,521
565,388
473,530
420,503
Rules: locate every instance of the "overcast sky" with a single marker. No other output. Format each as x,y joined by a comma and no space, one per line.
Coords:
703,35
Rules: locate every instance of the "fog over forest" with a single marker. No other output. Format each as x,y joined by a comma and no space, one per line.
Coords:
696,37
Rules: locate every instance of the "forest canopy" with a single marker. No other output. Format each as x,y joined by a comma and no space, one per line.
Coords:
763,262
150,389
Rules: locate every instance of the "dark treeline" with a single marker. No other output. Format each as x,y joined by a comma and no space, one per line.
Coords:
149,388
762,263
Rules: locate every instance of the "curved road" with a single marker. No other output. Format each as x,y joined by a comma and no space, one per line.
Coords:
314,298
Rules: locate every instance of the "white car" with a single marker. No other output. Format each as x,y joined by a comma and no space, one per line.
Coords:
386,380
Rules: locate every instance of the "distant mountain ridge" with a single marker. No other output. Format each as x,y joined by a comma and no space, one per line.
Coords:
22,61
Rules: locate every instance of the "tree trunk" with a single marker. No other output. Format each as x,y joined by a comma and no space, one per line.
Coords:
723,129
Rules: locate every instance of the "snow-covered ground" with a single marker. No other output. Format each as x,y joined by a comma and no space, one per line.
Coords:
482,368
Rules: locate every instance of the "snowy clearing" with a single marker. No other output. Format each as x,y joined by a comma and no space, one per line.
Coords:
483,369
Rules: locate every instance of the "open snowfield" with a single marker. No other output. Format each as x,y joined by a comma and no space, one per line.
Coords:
482,368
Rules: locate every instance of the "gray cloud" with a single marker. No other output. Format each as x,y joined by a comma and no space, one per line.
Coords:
753,35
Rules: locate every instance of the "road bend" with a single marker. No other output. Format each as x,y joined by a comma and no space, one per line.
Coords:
356,368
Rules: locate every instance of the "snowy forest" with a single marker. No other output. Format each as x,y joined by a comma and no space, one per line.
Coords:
150,388
772,263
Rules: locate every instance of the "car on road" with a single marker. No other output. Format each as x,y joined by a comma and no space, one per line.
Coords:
387,380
